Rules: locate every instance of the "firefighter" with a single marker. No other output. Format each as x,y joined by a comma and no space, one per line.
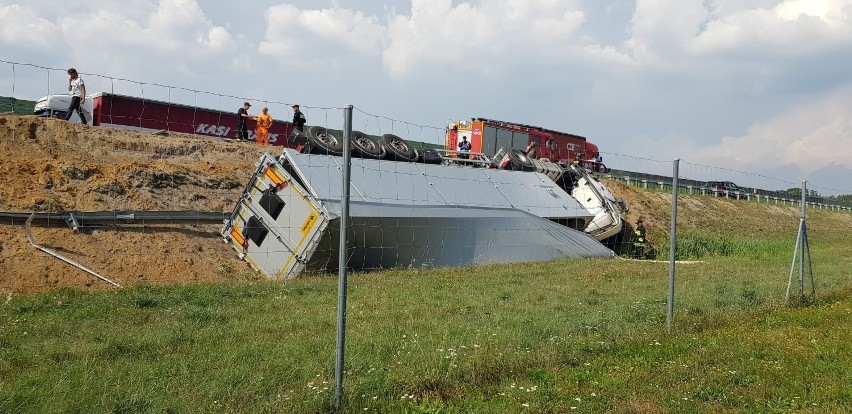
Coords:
464,148
640,243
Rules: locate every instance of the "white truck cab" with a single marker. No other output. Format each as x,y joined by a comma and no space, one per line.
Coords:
56,106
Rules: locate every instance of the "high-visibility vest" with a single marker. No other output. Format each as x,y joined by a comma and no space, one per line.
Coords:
640,241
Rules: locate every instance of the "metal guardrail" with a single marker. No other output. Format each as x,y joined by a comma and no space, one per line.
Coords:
79,219
693,187
56,254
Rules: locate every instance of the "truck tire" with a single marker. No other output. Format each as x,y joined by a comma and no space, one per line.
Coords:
363,146
520,162
324,142
397,149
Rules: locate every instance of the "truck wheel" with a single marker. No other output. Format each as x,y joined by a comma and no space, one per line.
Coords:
520,161
397,149
364,146
324,142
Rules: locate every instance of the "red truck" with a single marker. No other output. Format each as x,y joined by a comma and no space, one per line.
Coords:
128,112
487,136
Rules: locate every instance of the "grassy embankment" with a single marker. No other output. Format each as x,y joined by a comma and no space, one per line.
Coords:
16,106
566,336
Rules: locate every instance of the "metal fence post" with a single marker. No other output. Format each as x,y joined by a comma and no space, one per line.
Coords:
342,260
672,245
803,235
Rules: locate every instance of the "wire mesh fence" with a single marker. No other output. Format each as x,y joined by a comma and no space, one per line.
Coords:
412,207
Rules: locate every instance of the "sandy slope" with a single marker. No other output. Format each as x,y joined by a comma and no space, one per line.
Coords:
51,165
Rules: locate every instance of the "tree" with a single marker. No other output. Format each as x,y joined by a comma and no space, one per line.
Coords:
798,192
845,198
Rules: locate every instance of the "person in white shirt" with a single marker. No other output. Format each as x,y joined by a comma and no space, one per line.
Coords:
77,90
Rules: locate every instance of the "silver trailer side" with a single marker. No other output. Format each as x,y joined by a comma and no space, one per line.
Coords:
402,214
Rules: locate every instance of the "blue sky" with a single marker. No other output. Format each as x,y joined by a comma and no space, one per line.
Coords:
761,86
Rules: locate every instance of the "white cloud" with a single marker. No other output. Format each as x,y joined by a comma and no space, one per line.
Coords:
179,23
320,37
661,29
486,36
792,28
827,10
811,136
21,26
803,142
606,55
139,32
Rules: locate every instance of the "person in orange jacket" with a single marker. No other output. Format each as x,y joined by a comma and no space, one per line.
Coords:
264,122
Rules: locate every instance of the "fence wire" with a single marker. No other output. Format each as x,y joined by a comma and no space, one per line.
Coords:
194,163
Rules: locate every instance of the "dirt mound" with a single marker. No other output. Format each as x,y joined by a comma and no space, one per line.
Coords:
52,165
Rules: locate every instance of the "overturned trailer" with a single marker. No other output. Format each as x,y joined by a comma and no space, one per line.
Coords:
401,215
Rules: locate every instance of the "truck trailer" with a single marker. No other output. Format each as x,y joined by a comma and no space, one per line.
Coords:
129,112
286,222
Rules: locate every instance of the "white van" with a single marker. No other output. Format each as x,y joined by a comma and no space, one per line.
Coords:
56,106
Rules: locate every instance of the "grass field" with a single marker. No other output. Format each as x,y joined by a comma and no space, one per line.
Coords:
566,336
16,106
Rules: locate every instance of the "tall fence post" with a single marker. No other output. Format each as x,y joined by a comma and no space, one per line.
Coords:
802,252
672,245
342,260
804,236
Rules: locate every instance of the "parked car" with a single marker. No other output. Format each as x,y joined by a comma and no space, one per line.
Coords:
723,189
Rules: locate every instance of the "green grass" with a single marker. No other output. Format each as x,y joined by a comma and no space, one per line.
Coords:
541,338
588,334
693,246
16,106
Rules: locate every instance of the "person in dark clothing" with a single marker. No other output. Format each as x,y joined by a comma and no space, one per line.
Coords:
641,242
464,149
77,89
299,119
242,115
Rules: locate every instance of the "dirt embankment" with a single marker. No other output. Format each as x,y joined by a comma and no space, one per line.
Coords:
721,216
52,165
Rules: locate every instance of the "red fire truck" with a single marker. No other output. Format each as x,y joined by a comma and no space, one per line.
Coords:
487,136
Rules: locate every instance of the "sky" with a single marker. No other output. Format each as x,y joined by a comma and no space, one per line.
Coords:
754,91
